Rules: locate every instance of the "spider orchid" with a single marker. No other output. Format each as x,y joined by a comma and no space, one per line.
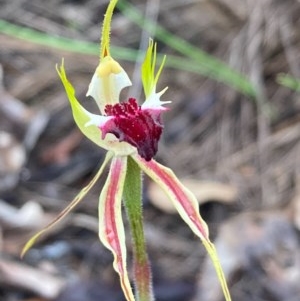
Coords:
130,133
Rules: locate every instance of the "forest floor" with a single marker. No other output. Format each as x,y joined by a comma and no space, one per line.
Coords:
237,148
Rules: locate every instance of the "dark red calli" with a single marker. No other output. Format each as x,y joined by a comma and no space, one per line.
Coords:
139,127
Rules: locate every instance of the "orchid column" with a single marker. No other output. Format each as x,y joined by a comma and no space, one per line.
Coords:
130,132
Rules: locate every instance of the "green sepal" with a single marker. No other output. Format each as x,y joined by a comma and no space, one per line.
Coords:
80,114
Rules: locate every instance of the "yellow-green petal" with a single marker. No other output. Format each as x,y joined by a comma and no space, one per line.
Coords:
149,78
71,206
111,228
80,114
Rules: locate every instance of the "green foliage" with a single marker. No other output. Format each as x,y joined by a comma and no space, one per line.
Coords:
289,81
192,59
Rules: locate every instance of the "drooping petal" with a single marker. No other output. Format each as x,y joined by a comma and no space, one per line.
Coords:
140,128
71,206
111,228
183,200
187,206
107,82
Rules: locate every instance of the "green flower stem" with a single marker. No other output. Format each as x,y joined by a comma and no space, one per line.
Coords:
133,203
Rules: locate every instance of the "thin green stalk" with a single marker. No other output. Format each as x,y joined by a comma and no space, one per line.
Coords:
133,203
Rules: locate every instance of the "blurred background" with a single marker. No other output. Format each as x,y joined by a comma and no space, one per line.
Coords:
232,136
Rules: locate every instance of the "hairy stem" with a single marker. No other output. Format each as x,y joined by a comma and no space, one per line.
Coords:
133,203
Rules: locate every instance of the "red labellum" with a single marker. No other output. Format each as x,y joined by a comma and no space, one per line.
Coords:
139,127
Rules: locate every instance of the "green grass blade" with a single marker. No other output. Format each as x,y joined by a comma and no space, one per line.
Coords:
209,65
289,81
71,45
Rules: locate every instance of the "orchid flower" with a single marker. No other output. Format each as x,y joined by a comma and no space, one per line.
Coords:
130,133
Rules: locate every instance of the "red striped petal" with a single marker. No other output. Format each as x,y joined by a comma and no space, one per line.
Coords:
111,228
187,206
184,200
